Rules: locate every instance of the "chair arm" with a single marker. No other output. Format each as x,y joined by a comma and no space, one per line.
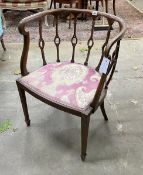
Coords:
103,84
26,37
116,38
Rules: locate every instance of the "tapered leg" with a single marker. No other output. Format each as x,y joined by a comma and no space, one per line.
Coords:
54,16
3,45
46,20
84,135
103,111
97,6
106,6
51,4
70,17
114,8
24,104
60,5
54,5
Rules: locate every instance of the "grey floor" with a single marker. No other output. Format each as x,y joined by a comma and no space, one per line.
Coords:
138,4
51,145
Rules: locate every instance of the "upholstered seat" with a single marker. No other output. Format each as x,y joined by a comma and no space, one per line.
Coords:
17,5
70,84
24,5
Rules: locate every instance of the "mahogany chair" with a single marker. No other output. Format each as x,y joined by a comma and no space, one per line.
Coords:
72,87
61,2
106,5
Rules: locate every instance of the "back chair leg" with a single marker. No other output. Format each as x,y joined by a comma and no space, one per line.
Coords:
24,104
106,6
84,135
51,4
114,9
54,22
60,5
55,5
103,111
3,45
97,6
46,19
70,17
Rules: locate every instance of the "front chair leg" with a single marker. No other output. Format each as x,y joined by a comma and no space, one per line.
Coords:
103,111
24,104
84,135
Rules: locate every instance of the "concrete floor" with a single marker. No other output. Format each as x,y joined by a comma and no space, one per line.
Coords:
51,145
138,4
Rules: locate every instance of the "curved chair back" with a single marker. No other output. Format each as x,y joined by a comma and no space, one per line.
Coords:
109,49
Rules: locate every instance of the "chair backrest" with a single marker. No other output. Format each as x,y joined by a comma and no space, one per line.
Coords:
110,48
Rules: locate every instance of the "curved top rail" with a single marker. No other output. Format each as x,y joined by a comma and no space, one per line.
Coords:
54,11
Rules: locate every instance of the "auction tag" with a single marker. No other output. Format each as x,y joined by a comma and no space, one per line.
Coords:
94,13
104,65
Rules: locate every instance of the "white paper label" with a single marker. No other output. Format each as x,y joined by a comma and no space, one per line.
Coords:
94,13
104,65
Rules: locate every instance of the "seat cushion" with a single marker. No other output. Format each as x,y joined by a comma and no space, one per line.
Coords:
23,6
70,84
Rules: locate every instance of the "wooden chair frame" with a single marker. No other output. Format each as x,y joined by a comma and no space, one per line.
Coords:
85,2
107,51
106,5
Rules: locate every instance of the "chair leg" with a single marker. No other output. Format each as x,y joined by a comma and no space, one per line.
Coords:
3,45
51,4
106,6
24,104
60,5
46,19
97,6
55,5
103,111
84,135
54,16
114,9
70,17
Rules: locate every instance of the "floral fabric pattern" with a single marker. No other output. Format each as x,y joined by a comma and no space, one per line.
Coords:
70,84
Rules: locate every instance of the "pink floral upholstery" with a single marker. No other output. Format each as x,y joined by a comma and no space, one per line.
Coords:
67,83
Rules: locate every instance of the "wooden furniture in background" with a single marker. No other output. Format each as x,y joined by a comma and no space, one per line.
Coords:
105,6
23,5
62,2
84,4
